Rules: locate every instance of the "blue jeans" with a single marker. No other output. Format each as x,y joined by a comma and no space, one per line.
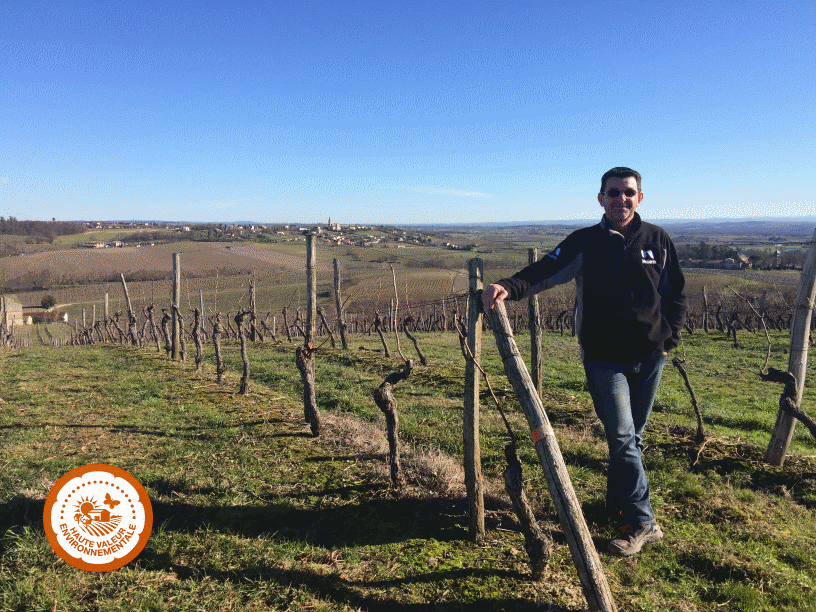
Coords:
623,394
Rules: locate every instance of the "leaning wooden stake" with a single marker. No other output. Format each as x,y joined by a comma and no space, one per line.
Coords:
584,555
797,360
134,336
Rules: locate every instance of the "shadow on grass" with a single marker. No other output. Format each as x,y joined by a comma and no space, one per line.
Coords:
332,587
375,522
328,523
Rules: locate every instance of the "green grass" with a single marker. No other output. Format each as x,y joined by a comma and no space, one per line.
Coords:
253,514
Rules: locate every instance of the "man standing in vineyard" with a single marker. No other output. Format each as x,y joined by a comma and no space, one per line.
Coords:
631,306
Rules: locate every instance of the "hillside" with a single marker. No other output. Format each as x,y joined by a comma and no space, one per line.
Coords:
252,513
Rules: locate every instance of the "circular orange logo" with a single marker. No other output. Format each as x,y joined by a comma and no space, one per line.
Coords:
97,517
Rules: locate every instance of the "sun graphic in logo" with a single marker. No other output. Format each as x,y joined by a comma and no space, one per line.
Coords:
94,520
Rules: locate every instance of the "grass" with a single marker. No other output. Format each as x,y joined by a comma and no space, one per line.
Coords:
253,514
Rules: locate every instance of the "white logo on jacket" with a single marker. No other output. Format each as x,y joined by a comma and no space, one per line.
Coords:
648,256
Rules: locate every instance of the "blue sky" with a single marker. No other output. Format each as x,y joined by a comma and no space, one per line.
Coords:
404,112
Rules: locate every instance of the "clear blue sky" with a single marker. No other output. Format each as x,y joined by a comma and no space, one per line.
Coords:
404,112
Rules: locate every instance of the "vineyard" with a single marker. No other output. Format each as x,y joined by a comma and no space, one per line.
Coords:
254,512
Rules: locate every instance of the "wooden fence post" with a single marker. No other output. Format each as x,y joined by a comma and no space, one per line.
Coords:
341,316
584,555
174,344
535,331
311,289
797,359
253,311
304,355
705,310
472,449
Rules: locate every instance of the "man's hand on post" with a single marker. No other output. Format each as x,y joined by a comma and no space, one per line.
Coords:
492,295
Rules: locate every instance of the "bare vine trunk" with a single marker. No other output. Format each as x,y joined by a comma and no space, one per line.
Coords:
220,368
304,358
536,542
242,336
378,327
197,334
384,398
677,363
422,359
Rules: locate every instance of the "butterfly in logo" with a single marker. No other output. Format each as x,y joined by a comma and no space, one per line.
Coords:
111,502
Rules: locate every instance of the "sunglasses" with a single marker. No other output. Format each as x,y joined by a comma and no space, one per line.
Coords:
614,193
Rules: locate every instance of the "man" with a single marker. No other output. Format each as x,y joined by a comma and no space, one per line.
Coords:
631,306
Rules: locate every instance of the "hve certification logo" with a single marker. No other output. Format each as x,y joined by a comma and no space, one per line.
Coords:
98,517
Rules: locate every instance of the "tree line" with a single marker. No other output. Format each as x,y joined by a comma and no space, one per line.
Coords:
46,230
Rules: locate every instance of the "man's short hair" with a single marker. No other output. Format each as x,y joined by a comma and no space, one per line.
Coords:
619,172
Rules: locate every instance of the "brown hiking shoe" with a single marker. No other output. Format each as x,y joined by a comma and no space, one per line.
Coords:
632,539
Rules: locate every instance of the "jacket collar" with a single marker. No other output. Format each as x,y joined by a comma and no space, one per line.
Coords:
636,223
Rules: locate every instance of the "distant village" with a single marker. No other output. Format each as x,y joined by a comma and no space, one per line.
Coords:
147,234
332,233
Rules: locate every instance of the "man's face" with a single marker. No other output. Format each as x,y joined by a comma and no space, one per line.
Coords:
618,206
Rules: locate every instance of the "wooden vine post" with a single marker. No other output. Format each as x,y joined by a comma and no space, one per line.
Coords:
535,330
134,336
471,447
311,289
797,359
304,355
593,581
341,315
253,310
174,343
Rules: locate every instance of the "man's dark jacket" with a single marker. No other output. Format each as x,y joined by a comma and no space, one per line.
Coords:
630,299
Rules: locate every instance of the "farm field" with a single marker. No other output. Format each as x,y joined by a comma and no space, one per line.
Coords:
218,274
251,513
